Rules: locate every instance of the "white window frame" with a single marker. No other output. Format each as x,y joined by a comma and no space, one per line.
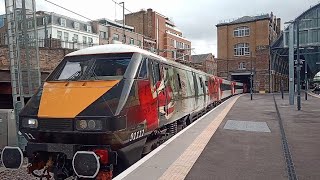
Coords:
242,49
59,33
63,22
90,40
89,29
29,24
75,38
242,31
103,35
242,65
131,41
44,20
66,36
84,39
76,25
115,37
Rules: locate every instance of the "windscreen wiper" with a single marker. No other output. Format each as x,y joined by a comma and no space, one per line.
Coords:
73,76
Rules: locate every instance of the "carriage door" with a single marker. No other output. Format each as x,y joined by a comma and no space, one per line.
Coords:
159,90
196,89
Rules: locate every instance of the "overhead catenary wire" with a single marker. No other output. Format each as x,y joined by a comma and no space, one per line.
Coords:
93,20
69,10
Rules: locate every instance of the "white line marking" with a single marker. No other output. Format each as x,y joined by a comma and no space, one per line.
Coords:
152,153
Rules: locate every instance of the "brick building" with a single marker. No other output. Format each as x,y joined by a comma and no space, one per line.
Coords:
169,40
49,59
205,62
244,45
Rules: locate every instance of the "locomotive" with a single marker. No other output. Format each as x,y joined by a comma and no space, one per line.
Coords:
104,107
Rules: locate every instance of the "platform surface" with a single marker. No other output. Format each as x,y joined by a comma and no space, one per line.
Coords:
240,139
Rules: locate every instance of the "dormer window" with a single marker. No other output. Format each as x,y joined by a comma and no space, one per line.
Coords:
89,29
63,22
241,31
76,25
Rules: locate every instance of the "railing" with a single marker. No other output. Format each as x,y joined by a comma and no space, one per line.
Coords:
57,43
51,43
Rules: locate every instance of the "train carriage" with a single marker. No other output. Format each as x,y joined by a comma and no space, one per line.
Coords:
109,105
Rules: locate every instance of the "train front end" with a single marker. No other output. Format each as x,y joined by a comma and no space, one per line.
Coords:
77,121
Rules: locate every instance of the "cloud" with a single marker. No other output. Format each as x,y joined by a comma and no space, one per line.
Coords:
196,19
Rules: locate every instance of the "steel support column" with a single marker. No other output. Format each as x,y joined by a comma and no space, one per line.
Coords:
291,65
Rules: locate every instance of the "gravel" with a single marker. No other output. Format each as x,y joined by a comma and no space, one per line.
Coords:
20,174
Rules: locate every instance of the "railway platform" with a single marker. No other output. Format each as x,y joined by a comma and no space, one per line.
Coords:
241,139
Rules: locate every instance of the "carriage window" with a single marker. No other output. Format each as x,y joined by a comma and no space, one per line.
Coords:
143,74
201,83
179,81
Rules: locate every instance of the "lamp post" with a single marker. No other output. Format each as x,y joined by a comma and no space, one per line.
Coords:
306,79
123,23
298,69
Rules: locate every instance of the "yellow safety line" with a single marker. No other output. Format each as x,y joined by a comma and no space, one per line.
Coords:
181,167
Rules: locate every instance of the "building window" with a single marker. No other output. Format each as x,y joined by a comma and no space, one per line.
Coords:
44,21
103,35
303,37
66,36
241,49
139,43
75,38
241,31
116,37
29,24
59,35
173,55
63,22
131,41
242,65
90,40
76,25
84,40
172,42
89,29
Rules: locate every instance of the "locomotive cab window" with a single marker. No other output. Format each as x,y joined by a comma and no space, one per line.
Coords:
92,67
179,81
143,72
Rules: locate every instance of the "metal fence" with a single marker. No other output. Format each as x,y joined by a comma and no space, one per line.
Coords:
51,43
57,43
8,133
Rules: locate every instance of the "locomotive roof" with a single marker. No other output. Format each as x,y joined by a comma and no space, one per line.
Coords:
112,48
123,48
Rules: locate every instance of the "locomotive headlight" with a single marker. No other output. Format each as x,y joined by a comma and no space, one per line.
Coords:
30,123
89,125
83,124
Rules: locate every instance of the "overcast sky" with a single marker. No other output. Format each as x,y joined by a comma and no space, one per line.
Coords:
196,18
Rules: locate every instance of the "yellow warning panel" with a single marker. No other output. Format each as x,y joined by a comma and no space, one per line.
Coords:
68,99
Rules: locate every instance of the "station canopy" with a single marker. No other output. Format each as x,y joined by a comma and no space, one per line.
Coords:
309,42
